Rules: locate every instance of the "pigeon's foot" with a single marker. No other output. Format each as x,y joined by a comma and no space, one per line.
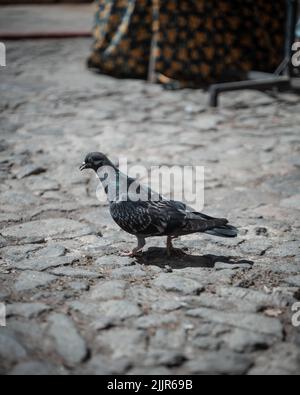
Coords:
136,251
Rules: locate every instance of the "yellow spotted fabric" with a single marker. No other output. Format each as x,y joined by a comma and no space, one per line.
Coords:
191,41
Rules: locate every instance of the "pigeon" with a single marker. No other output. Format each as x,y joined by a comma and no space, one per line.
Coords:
151,216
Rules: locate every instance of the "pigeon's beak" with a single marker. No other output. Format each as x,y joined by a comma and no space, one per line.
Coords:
84,166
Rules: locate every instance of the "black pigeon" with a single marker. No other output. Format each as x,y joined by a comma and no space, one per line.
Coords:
153,216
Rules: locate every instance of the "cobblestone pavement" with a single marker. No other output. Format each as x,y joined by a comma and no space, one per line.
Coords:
74,305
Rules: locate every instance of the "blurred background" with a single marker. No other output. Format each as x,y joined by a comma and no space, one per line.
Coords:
185,44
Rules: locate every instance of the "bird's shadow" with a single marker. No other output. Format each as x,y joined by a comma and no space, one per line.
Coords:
180,260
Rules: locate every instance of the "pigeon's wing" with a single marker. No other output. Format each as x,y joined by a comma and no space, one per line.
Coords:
151,218
195,221
133,217
167,216
199,222
159,218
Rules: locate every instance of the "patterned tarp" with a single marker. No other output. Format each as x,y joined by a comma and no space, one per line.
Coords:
192,41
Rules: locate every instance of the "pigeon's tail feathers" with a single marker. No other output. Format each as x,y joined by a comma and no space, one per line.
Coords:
223,231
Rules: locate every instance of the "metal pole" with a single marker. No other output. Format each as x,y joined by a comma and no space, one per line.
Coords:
292,6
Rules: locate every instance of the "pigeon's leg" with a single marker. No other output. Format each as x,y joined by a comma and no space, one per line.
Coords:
136,250
170,248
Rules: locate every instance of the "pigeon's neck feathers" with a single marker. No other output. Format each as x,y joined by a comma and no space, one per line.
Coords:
119,187
115,182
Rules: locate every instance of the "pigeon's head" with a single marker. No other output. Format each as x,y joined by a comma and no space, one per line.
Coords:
95,160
